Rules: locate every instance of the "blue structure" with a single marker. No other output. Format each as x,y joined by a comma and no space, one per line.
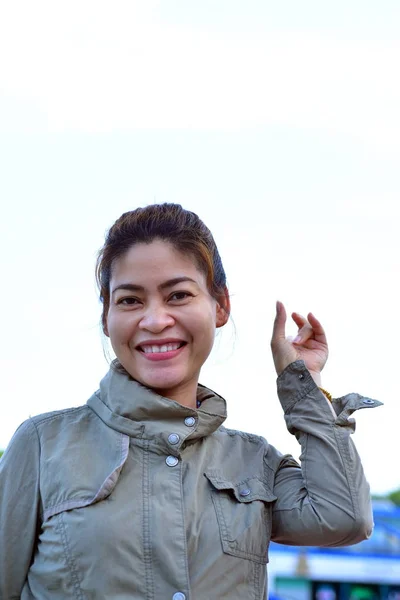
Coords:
367,571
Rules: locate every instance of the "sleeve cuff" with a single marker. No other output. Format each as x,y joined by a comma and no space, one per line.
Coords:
294,383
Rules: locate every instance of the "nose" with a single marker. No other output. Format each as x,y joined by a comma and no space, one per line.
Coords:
156,319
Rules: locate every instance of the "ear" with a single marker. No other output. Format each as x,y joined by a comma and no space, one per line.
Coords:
223,308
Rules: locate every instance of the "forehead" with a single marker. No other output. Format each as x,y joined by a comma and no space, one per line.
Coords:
158,260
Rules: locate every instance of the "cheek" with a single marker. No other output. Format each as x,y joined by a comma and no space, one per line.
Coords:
120,327
203,326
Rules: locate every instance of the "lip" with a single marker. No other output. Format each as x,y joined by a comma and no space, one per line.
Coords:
159,342
159,356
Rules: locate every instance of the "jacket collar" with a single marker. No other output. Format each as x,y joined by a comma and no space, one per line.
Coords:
130,408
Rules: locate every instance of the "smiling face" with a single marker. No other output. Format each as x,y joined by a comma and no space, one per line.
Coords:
161,319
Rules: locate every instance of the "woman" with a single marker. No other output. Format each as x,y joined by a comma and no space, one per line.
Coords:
142,493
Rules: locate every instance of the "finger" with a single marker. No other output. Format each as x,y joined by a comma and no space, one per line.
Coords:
278,331
305,331
299,319
319,332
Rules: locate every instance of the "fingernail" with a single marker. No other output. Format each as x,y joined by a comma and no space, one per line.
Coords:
296,339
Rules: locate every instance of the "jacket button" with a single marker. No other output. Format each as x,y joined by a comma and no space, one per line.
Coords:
190,421
178,596
173,438
368,401
245,492
171,461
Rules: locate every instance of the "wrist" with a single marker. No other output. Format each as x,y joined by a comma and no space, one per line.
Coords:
316,375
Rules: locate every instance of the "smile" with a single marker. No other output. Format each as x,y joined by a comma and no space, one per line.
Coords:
157,352
164,348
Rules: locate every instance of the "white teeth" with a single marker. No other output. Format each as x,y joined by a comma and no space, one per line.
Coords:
163,348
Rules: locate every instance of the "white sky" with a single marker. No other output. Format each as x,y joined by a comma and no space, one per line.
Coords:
278,123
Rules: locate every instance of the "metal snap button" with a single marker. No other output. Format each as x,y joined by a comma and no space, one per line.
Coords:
301,376
179,596
190,421
171,461
368,401
173,438
245,492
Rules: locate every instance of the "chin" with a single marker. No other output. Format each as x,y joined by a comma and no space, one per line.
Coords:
165,390
159,383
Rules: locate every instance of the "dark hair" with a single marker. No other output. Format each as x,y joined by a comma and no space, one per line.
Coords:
182,228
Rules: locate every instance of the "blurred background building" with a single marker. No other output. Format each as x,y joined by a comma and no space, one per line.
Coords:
367,571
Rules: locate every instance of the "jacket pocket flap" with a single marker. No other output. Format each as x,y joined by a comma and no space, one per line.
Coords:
244,490
85,490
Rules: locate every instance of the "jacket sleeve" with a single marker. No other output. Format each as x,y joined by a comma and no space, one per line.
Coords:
19,509
326,501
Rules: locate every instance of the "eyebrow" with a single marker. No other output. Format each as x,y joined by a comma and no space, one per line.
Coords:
133,287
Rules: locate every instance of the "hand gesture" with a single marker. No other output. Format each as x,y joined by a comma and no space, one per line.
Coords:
309,345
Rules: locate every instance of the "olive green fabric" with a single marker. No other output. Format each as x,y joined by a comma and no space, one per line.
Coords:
102,502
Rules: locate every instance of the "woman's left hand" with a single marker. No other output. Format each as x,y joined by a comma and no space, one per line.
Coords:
309,345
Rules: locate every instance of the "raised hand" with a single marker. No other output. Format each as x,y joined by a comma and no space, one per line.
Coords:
309,345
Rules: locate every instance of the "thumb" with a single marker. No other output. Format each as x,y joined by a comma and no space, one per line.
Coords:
278,331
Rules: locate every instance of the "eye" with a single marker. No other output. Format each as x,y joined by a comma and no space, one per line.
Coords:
129,301
177,296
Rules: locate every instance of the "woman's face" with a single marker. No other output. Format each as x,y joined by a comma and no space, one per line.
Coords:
162,319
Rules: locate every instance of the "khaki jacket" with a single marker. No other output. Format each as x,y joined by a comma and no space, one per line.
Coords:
134,496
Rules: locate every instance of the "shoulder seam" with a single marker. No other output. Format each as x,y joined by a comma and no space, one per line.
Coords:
252,437
39,419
